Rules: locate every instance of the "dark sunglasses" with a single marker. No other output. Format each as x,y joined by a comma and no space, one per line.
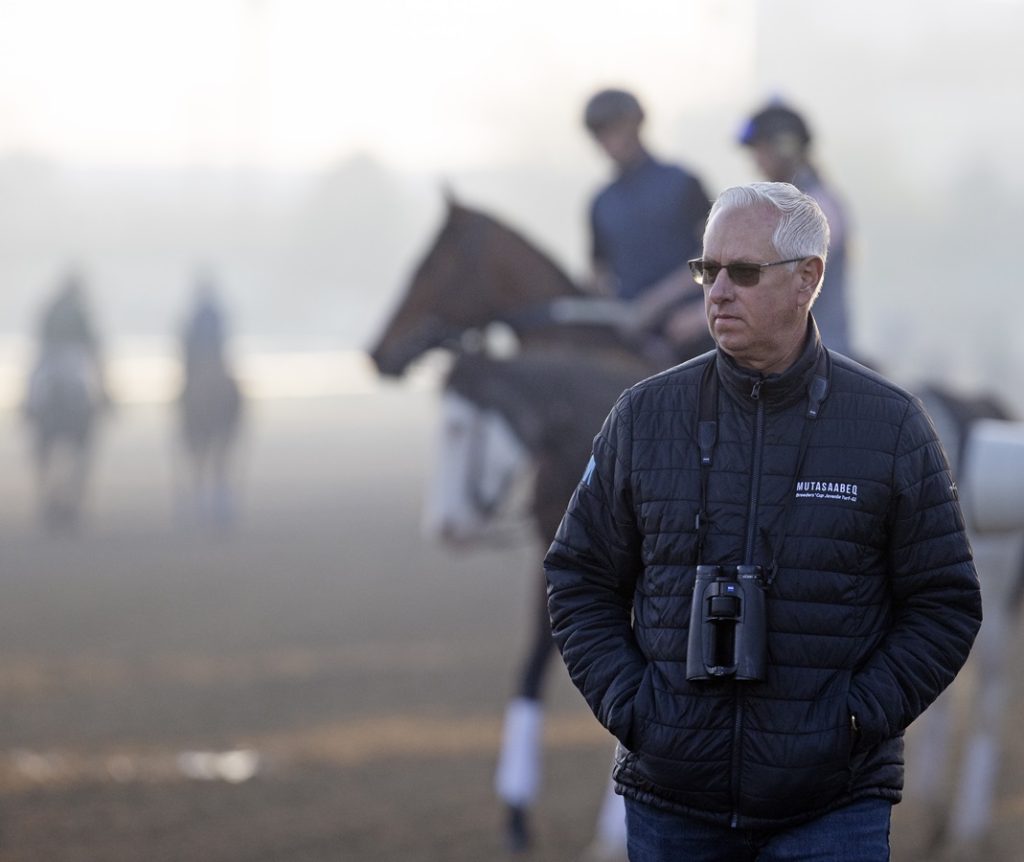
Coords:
743,274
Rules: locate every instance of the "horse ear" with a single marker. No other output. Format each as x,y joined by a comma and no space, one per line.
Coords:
449,195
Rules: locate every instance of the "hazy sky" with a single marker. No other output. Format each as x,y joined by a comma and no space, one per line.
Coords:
362,108
298,83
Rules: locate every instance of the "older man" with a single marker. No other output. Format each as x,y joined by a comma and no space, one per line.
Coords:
762,578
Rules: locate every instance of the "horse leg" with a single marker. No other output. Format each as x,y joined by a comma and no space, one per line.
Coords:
928,766
610,832
222,504
998,562
202,495
517,778
79,465
43,457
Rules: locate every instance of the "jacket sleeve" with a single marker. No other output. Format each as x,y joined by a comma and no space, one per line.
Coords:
592,568
936,599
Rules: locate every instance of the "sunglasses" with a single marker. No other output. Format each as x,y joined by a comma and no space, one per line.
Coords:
742,274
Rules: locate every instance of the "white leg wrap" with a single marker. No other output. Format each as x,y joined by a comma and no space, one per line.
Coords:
518,775
611,821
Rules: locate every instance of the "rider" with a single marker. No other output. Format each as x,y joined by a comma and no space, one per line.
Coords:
66,333
779,141
645,224
203,336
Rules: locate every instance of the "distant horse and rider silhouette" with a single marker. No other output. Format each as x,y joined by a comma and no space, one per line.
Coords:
210,411
531,416
65,396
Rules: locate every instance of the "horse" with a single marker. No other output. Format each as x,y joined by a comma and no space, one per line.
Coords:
478,275
516,435
63,399
209,410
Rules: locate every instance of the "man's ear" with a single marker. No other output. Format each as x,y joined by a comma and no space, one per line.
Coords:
810,270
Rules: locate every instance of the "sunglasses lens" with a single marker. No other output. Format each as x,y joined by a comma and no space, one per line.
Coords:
744,274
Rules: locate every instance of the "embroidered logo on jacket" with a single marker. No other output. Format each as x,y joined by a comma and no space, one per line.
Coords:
827,490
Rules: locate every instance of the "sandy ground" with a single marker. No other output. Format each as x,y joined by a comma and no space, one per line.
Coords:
357,673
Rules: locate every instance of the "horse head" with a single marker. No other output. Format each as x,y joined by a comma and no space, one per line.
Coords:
476,272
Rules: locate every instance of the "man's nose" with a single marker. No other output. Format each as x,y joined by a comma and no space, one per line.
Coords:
722,287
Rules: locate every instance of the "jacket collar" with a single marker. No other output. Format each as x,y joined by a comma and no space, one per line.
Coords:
774,390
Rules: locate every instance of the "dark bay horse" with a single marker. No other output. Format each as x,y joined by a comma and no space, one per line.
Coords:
210,412
570,365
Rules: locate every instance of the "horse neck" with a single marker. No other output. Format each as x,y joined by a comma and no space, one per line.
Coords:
526,275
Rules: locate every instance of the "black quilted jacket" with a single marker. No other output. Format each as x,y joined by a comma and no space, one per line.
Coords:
872,613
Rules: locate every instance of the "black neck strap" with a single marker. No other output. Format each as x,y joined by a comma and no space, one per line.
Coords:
707,438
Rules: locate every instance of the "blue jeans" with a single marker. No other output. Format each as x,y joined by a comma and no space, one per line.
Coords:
856,833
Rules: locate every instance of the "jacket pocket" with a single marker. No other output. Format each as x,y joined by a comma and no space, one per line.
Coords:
641,711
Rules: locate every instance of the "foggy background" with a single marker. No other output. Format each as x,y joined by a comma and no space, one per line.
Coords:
349,674
298,151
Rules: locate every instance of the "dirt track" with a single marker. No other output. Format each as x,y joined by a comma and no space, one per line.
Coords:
362,671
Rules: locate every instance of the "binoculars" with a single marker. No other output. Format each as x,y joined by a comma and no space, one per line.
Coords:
728,624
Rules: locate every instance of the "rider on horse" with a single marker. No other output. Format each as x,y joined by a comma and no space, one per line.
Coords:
645,225
203,337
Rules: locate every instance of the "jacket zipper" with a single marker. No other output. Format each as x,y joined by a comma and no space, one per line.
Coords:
748,556
755,477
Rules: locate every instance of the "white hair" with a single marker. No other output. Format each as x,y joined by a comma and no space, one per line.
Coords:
802,230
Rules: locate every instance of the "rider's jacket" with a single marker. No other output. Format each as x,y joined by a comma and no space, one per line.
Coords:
871,613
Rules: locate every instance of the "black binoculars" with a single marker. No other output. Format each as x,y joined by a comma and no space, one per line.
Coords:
728,624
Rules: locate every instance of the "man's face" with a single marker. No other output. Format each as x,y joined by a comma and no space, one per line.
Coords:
770,162
759,326
620,140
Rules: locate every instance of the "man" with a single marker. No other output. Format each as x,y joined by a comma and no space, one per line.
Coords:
645,225
763,578
779,141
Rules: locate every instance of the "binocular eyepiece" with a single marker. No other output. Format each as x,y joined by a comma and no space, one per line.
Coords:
728,624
